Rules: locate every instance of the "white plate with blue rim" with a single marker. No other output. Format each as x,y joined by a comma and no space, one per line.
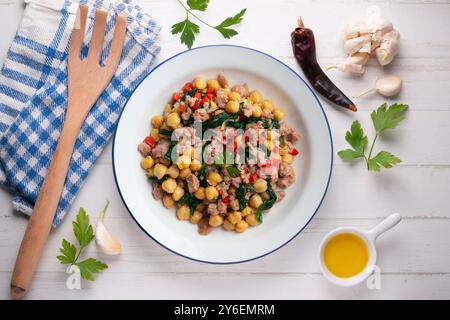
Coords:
275,80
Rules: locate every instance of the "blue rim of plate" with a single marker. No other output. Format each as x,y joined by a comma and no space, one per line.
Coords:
324,192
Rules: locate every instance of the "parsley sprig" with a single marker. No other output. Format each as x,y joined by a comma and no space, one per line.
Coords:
189,29
70,254
383,118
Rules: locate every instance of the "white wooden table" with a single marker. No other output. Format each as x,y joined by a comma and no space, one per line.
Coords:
414,258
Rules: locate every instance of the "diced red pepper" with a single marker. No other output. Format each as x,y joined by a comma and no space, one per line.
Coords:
182,107
294,152
210,96
195,106
225,200
187,87
197,95
253,177
210,90
150,141
176,96
204,100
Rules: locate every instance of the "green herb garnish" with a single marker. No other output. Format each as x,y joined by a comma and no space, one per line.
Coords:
383,118
191,201
70,254
168,155
165,132
268,203
233,171
189,29
241,193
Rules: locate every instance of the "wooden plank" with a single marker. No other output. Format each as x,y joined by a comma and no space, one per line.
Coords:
414,246
238,286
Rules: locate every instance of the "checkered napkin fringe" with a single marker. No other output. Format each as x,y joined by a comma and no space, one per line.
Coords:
33,95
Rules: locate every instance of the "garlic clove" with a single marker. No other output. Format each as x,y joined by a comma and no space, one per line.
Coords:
389,86
105,241
388,48
354,45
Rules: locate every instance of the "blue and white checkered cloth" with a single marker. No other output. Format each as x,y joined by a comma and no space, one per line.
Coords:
33,94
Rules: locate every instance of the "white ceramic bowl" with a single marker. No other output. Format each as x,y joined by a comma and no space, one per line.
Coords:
303,112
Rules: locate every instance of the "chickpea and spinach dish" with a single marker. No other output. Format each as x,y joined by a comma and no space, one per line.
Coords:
205,187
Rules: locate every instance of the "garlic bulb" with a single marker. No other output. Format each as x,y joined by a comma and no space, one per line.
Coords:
371,34
105,241
388,86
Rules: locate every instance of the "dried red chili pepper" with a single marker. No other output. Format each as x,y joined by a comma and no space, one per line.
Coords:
304,47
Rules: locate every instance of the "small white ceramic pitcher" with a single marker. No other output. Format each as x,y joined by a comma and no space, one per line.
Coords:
369,237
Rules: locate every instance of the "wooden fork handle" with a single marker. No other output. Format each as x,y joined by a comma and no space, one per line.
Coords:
44,210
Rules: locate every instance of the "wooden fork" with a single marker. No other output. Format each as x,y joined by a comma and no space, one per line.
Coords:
86,81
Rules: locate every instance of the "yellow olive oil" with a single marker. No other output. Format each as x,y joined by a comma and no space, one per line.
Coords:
346,255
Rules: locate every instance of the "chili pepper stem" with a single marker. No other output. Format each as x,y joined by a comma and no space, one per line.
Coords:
300,23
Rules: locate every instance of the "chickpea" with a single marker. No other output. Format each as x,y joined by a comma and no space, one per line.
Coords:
167,109
213,84
234,96
155,134
184,173
278,114
247,211
227,225
234,204
184,162
201,207
150,172
211,193
255,96
214,178
199,83
213,106
147,163
215,220
256,111
168,201
196,217
252,220
234,217
232,106
160,170
183,212
178,193
260,185
173,171
265,196
255,201
287,158
283,151
165,162
169,185
267,104
195,165
200,193
241,226
173,120
157,121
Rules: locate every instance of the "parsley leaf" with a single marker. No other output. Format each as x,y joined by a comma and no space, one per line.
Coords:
90,266
199,5
70,254
388,117
233,171
383,158
188,29
383,118
82,229
223,27
356,138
